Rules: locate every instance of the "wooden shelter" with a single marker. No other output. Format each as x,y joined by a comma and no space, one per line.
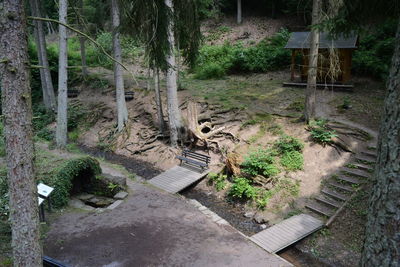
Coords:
340,48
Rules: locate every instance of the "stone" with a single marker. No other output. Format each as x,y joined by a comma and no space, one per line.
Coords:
77,203
115,179
114,205
248,214
98,201
84,196
259,218
121,195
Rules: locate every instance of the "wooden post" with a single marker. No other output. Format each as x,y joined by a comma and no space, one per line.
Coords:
292,66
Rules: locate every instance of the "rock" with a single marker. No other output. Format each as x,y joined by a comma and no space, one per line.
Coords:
249,214
98,201
121,195
259,218
77,203
115,179
114,205
263,226
84,196
233,161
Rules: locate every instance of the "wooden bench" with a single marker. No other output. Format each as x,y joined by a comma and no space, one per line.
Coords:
129,95
72,93
194,159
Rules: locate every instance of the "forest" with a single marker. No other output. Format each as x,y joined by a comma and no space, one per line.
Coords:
199,133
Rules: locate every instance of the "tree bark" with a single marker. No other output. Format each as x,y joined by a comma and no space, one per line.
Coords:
382,240
160,115
82,41
17,112
119,80
309,111
61,132
49,99
239,12
174,114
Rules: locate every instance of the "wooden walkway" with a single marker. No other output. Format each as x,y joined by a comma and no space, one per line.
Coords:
176,179
287,232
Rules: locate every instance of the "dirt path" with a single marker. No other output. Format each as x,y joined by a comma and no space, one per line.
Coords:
151,228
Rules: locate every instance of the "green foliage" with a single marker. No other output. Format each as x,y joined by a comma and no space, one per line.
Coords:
219,180
260,162
374,55
320,132
3,194
214,61
242,189
62,180
292,160
2,141
287,144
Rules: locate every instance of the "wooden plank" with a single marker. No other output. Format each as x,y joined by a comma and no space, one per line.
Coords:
321,85
176,179
286,232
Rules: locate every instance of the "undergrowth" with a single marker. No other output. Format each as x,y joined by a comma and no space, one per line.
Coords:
320,133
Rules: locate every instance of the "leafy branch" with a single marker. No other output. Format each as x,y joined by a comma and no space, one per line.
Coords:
87,37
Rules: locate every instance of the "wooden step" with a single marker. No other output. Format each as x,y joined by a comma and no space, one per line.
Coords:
340,186
356,172
371,154
364,158
319,209
351,180
334,194
328,201
362,166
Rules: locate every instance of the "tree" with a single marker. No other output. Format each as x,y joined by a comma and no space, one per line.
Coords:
17,112
61,131
160,115
49,99
174,113
382,241
156,22
119,80
309,111
82,39
239,12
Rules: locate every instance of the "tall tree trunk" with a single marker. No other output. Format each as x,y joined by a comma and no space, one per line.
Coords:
160,115
309,111
119,80
82,40
17,112
382,241
239,12
61,132
49,98
174,114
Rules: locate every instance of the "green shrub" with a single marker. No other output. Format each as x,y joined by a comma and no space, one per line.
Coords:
242,188
373,57
210,70
287,144
260,162
219,180
292,160
215,61
320,132
62,180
